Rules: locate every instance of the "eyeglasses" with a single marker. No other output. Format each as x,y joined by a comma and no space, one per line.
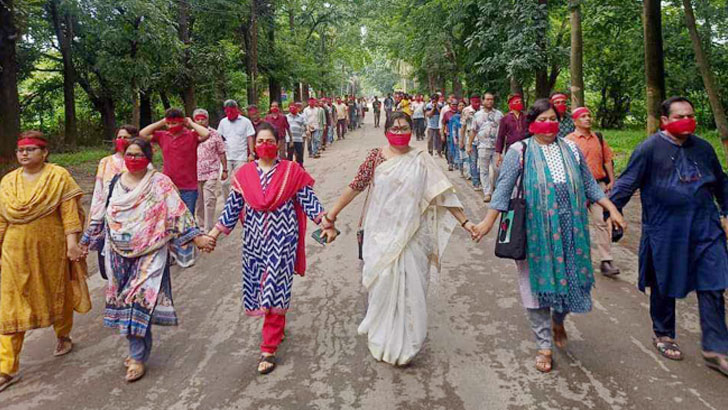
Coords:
692,175
26,150
133,155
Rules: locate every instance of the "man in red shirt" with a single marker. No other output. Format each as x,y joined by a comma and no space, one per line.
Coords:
178,137
280,123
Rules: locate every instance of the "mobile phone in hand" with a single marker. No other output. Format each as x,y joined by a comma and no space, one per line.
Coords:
318,238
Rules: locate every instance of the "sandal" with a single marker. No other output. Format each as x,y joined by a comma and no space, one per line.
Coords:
560,337
544,361
127,361
665,345
135,371
64,345
716,361
7,380
267,359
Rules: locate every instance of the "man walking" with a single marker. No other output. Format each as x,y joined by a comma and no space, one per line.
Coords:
340,119
598,156
512,128
280,123
238,133
434,141
314,128
418,117
297,128
482,137
566,125
210,158
388,106
377,110
683,244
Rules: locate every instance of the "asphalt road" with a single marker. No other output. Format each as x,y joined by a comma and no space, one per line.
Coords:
479,354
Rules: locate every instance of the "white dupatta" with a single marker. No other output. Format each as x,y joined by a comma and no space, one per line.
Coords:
407,229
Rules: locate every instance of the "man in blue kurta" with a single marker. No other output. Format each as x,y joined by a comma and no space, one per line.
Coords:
683,245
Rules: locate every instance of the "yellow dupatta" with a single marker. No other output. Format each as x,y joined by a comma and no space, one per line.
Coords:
54,186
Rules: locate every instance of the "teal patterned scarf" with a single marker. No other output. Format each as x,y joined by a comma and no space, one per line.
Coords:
545,246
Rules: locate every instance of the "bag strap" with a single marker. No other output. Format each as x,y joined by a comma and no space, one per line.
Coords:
601,143
112,184
521,170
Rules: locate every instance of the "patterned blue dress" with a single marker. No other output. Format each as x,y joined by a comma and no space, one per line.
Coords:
270,240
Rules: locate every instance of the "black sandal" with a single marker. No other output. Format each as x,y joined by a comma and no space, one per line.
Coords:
267,359
663,344
719,362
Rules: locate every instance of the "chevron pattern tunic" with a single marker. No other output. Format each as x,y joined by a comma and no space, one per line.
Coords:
269,246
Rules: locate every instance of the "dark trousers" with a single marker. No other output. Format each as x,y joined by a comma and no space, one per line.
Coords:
341,128
419,128
296,150
711,306
377,114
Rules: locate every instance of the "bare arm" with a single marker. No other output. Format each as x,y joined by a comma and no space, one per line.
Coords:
148,131
202,132
341,203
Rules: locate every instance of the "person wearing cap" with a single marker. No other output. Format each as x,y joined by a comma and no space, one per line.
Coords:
237,131
598,157
684,195
43,267
566,125
210,157
513,127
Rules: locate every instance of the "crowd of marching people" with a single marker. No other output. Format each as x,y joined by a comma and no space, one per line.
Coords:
544,163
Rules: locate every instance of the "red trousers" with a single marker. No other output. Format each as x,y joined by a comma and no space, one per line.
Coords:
273,332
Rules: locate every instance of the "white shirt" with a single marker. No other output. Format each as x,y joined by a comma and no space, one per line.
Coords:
236,135
312,117
443,111
418,109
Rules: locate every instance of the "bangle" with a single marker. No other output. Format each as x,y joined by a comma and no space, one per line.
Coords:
464,222
329,219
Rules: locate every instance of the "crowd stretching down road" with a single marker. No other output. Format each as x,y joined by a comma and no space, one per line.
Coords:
546,176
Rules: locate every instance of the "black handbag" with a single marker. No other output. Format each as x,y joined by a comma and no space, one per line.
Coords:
511,240
360,230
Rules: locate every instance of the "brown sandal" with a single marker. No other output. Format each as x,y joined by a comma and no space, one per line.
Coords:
716,361
267,359
7,380
135,371
664,345
64,345
559,332
544,361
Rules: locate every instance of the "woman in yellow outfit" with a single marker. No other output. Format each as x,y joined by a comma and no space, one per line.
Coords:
43,273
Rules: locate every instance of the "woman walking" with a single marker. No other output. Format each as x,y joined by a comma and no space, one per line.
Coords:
108,167
411,213
272,197
144,220
556,278
43,276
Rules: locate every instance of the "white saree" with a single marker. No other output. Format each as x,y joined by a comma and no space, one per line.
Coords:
406,230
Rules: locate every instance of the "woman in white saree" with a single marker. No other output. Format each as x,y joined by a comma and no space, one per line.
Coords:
412,210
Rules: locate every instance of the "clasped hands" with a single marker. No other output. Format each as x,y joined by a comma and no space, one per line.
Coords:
477,231
205,243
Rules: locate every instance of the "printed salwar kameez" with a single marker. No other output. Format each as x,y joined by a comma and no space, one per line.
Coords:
138,230
39,286
273,249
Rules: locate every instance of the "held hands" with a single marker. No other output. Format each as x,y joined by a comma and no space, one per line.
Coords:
75,253
480,230
329,229
205,243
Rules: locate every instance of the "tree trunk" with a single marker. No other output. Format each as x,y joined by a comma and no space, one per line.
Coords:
106,107
9,101
250,39
274,86
186,79
542,73
516,87
165,99
145,108
457,86
705,70
577,56
305,95
297,92
654,63
63,26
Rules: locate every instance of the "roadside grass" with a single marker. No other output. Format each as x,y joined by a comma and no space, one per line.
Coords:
87,158
624,141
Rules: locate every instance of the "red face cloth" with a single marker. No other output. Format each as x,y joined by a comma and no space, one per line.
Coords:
136,164
266,150
544,128
475,103
516,105
561,107
685,126
293,109
275,110
121,144
232,113
311,102
174,125
399,140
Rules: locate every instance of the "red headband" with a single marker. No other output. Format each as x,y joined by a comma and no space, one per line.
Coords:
31,141
174,120
558,96
200,116
579,112
513,97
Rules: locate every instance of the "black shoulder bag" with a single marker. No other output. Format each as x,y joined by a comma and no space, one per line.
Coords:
511,240
102,264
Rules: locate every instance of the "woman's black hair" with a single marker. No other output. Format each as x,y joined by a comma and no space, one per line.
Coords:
266,126
394,117
145,146
539,107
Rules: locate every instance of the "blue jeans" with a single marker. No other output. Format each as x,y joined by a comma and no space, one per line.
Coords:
331,133
189,197
474,173
711,306
540,321
140,347
316,141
